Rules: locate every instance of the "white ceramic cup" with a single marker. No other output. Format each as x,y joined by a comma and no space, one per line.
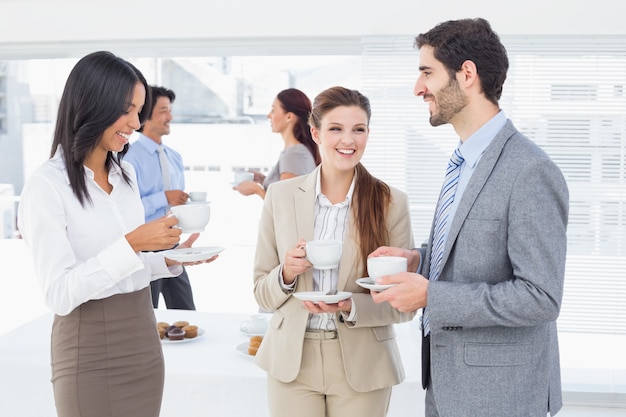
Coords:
385,265
192,218
324,254
241,176
197,196
256,324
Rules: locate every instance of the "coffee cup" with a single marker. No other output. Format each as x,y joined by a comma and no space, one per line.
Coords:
385,265
192,218
324,254
257,324
197,196
241,176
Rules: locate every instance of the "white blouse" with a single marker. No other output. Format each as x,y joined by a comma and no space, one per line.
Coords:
81,253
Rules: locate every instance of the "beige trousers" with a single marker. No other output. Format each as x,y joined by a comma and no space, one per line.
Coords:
321,388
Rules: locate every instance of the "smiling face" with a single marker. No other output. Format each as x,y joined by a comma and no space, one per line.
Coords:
437,88
117,135
159,123
342,137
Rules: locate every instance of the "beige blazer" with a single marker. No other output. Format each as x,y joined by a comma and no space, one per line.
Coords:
370,354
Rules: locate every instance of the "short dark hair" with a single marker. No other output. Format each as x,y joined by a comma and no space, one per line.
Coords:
156,92
457,41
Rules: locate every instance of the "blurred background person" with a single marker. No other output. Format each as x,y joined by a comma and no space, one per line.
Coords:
161,180
289,117
81,217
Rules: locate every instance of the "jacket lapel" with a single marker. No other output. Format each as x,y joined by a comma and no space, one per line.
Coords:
349,255
304,213
482,172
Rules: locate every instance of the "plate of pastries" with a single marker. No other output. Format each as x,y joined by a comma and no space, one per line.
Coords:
178,332
250,347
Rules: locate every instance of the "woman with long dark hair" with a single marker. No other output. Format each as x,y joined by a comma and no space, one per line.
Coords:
81,216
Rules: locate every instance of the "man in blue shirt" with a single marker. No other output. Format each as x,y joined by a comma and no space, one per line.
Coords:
161,187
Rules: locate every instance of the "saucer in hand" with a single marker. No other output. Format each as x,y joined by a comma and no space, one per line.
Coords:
371,284
317,296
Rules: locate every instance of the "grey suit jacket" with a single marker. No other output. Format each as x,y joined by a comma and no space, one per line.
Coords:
288,214
494,349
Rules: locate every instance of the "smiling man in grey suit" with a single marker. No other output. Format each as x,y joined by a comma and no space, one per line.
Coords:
490,280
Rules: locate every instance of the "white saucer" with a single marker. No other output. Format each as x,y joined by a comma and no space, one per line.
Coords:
249,333
316,297
167,341
370,284
193,254
333,266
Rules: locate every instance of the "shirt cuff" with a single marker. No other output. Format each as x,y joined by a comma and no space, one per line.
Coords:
422,254
119,260
352,315
287,288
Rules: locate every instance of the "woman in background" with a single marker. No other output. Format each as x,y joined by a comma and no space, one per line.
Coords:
81,216
329,359
300,155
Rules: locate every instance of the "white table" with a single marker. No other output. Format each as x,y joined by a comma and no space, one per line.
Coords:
204,377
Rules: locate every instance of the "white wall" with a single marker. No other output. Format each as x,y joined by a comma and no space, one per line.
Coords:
44,28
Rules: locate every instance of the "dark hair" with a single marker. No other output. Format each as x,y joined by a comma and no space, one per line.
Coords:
97,93
371,195
156,92
295,101
457,41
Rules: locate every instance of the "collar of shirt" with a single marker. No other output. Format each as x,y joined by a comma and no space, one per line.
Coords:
471,150
475,145
321,198
149,144
115,173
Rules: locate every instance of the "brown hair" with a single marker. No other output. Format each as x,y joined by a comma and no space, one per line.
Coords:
295,101
371,195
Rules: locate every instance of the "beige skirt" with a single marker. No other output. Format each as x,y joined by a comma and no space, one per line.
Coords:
107,359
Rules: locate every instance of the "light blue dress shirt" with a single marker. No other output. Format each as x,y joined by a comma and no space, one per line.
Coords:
143,155
472,150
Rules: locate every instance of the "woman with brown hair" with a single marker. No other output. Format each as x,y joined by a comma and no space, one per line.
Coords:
339,358
289,117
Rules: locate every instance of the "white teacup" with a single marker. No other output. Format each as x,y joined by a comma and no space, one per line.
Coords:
324,254
192,218
197,196
241,176
257,324
385,265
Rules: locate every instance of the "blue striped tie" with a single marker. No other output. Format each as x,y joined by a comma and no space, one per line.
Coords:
441,222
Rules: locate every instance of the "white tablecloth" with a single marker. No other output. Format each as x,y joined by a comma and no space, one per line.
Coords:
203,377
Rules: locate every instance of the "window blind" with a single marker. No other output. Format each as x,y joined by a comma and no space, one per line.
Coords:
568,94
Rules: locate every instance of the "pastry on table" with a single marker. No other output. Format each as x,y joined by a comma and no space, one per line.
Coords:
254,344
191,331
